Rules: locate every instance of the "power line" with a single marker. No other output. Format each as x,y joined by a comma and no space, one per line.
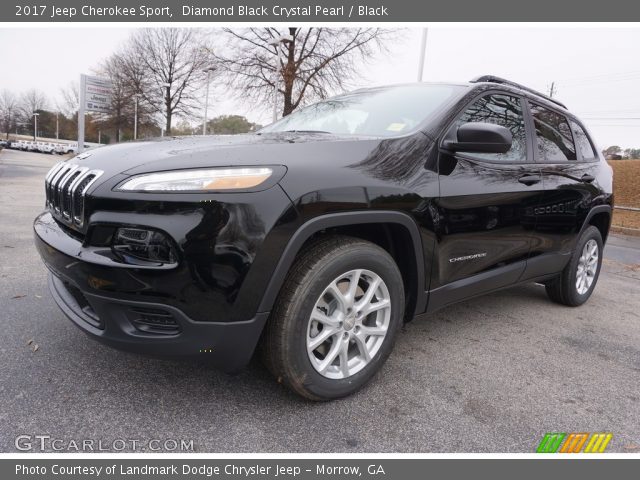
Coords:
603,75
611,118
612,79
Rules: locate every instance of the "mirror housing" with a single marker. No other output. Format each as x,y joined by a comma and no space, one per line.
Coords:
477,137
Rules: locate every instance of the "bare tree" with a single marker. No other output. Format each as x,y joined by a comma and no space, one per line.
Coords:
31,101
8,110
166,67
69,100
319,61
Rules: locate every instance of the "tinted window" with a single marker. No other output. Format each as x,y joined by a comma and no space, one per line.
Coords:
553,135
503,110
582,142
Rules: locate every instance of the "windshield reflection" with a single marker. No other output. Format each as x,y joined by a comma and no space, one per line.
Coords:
380,112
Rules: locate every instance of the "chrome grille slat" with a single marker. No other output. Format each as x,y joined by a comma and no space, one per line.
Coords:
66,193
52,178
54,186
66,186
62,183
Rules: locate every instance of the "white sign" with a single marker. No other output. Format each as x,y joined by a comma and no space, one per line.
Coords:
97,94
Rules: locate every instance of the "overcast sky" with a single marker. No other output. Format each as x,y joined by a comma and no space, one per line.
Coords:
595,69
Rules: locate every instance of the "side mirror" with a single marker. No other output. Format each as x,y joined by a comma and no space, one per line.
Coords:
476,137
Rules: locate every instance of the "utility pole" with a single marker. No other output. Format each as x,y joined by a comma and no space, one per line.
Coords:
423,51
276,77
81,111
135,119
206,100
552,89
57,127
35,125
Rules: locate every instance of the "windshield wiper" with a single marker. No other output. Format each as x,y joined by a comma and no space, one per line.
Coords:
305,131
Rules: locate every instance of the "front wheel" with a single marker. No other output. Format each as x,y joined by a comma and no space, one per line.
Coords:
577,281
336,318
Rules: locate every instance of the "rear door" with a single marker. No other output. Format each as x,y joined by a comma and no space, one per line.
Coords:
568,163
485,207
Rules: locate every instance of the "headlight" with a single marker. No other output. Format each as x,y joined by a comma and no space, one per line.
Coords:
198,180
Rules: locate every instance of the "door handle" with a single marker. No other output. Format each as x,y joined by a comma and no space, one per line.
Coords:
586,178
529,180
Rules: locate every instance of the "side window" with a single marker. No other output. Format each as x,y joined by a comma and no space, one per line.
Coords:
553,135
503,110
583,143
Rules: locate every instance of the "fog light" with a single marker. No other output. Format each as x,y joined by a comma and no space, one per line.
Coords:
142,244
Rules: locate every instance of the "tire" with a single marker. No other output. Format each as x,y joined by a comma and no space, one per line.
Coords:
322,275
565,289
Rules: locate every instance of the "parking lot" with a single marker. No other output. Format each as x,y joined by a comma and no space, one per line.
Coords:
489,375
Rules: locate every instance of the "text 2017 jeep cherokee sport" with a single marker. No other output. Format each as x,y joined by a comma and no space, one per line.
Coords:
316,237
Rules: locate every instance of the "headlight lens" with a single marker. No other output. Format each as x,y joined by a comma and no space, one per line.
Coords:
198,180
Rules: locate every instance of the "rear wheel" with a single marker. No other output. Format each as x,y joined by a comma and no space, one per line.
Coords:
577,281
336,318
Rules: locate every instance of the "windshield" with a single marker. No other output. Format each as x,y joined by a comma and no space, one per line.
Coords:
384,112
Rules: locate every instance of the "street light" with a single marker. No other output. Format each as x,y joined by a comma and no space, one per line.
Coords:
35,125
206,99
276,80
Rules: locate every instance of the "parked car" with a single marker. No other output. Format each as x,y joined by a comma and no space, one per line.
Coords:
318,236
48,148
64,148
73,147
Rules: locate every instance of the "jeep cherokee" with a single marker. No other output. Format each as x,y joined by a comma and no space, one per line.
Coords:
313,239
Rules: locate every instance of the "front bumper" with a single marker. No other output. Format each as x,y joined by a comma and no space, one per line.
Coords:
151,328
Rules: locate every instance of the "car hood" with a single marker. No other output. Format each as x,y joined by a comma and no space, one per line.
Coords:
312,160
171,153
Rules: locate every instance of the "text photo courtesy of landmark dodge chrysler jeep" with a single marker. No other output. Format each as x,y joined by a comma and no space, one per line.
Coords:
311,241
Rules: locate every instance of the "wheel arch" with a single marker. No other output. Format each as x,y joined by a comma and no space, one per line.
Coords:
345,219
600,217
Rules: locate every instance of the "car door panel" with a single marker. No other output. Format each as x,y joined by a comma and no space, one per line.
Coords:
487,219
486,208
570,184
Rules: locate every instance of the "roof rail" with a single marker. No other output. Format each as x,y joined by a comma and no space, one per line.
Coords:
502,81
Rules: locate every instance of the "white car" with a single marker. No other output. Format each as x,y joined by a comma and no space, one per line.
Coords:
64,148
47,148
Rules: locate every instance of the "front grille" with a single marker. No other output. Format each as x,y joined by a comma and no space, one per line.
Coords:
65,186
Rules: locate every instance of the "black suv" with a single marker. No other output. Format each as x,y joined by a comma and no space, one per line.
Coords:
316,237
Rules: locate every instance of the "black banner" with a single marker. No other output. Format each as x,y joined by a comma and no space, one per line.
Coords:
308,469
276,11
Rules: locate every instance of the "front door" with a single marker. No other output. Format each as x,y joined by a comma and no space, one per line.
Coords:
486,208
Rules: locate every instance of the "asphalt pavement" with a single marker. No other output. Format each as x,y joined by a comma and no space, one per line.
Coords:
493,374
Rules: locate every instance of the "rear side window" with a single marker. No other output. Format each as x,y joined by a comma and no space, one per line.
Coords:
553,135
503,110
583,143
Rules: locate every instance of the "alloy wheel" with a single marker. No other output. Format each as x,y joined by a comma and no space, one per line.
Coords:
348,324
587,267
